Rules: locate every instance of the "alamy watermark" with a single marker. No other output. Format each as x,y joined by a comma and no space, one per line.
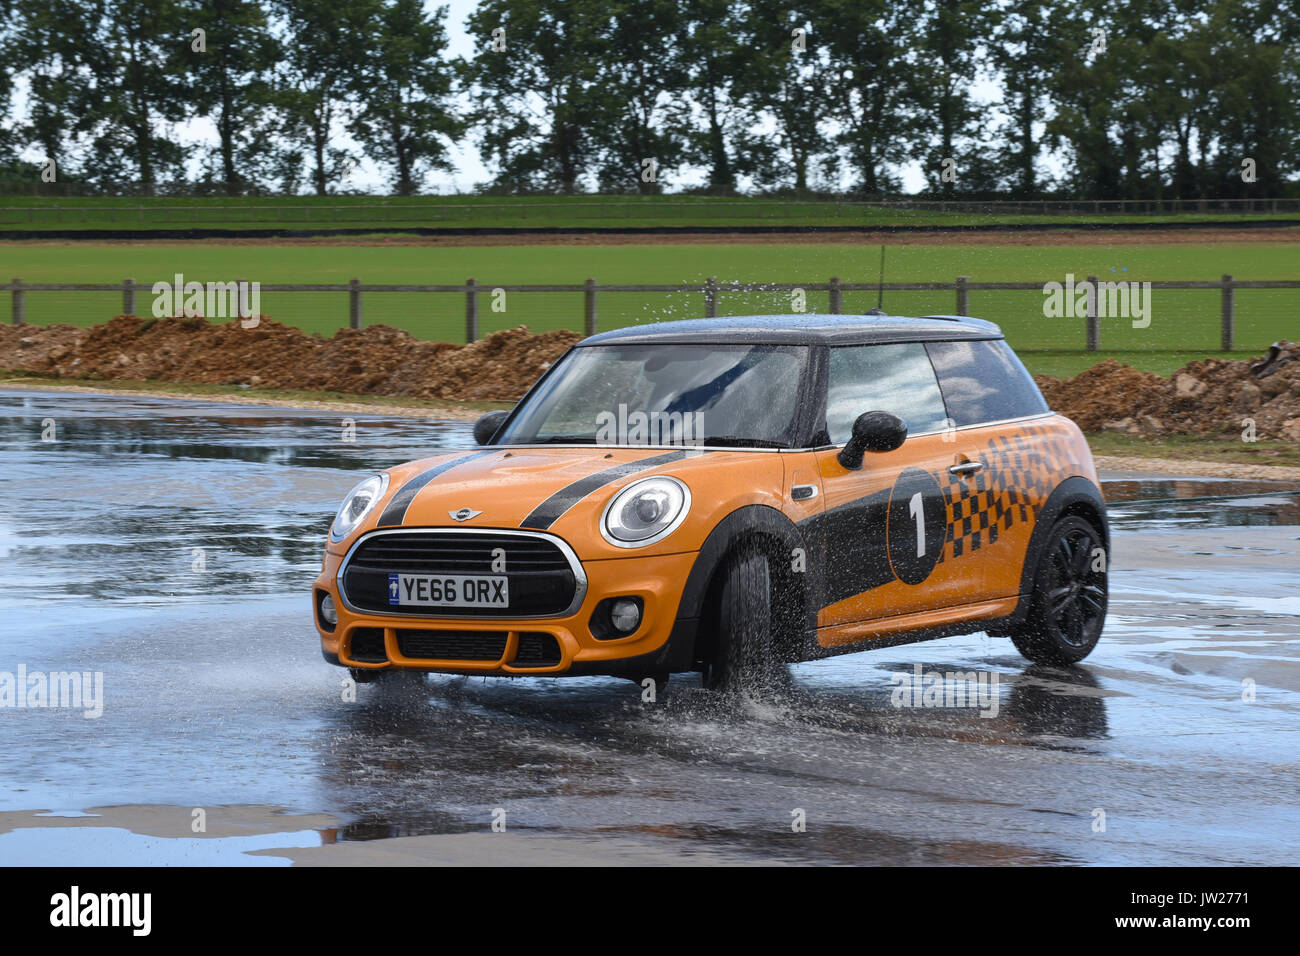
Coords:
126,910
977,690
33,690
1105,300
213,300
649,428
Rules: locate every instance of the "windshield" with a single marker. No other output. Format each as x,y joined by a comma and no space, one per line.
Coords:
741,395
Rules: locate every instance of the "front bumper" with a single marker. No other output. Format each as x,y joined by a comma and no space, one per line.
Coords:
356,638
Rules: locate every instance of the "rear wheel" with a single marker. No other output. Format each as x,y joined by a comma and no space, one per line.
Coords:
1068,605
743,658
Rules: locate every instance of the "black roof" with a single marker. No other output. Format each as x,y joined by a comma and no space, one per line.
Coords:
801,329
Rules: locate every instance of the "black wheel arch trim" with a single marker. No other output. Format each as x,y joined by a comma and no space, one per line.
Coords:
741,523
1073,495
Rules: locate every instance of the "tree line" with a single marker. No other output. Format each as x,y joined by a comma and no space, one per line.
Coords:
1149,99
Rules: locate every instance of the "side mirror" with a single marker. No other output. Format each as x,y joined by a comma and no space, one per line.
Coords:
872,431
487,426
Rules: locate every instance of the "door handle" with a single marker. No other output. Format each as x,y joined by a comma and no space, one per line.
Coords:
965,468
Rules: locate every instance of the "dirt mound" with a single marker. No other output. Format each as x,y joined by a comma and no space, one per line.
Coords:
379,360
1212,397
1215,397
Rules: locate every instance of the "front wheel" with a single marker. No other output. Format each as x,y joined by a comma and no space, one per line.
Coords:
1068,605
743,659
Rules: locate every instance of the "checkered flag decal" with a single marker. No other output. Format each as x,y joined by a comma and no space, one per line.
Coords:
1019,473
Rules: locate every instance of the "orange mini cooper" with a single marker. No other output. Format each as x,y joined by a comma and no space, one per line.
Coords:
727,496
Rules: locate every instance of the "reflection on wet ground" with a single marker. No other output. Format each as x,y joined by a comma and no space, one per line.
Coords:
1202,503
134,494
216,696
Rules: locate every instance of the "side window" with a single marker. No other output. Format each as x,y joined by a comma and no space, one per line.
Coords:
889,378
983,381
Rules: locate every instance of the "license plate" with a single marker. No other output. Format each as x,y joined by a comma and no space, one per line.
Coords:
448,590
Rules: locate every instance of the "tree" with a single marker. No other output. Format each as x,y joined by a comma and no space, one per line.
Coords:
325,44
532,85
136,58
868,90
641,114
718,63
1023,49
1085,89
9,137
944,65
789,84
1257,98
404,90
47,44
230,81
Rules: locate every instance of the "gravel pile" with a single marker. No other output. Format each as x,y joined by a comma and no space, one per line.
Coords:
1212,397
379,360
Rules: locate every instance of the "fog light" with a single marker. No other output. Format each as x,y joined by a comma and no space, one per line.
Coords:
327,612
625,615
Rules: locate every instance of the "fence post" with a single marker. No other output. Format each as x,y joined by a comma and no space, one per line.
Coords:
471,310
589,312
1228,335
354,304
711,297
19,313
837,296
128,296
963,296
1094,325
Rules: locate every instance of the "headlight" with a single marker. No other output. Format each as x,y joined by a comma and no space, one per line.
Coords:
357,505
645,511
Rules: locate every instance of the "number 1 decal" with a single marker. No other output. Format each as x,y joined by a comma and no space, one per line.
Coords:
916,526
915,510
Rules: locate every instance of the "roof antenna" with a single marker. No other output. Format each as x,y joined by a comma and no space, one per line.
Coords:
880,287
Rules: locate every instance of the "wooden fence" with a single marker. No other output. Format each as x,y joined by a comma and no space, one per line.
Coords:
712,289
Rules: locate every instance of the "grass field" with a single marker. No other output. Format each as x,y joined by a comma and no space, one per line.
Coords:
389,213
1184,323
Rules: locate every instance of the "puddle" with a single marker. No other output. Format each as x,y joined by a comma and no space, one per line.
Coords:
1156,503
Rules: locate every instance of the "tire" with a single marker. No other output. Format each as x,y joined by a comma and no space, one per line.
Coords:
743,660
1068,608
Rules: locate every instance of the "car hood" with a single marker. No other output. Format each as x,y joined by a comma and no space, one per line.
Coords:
554,489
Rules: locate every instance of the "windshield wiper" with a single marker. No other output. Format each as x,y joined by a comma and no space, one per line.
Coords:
564,440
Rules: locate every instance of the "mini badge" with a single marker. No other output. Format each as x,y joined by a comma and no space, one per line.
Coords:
464,514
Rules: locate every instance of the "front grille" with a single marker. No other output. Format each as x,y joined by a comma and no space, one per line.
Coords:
541,581
452,645
367,644
537,649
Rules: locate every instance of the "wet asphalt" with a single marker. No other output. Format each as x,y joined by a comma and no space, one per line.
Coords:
170,546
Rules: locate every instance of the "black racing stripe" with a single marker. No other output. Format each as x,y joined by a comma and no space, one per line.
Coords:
849,547
395,510
545,514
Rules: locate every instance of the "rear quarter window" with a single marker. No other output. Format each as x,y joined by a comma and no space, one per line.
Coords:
984,381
